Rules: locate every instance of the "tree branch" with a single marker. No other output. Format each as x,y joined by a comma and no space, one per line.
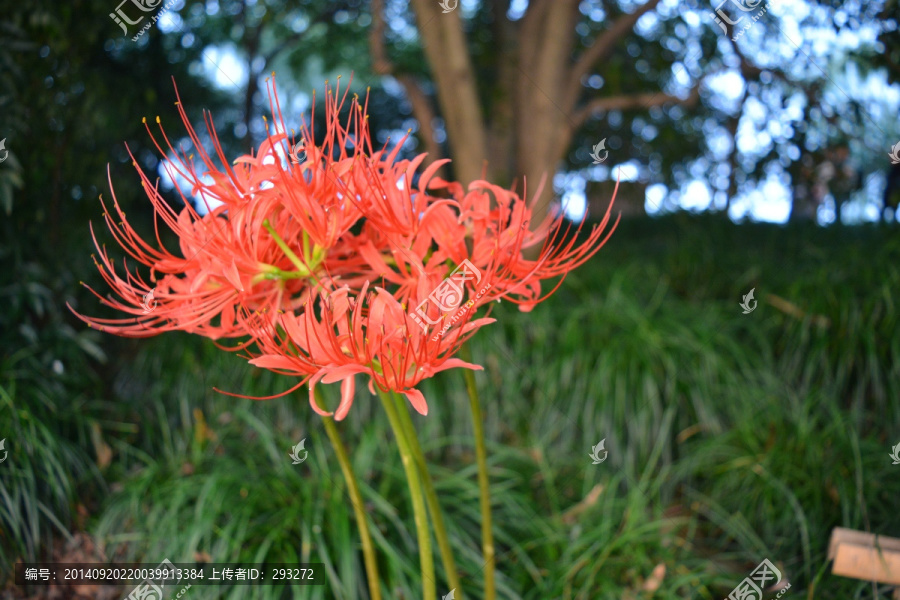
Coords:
602,48
637,101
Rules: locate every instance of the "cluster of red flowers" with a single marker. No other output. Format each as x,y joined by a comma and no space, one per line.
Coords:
335,266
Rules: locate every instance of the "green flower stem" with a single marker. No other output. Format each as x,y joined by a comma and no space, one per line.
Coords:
487,536
356,501
274,273
301,268
426,560
431,498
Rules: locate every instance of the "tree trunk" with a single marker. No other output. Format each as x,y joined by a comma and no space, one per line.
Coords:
534,98
803,206
445,48
631,199
542,131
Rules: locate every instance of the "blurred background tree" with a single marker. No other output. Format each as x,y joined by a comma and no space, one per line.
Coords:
695,119
527,88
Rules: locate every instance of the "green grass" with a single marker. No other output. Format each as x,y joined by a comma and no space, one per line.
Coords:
50,412
732,438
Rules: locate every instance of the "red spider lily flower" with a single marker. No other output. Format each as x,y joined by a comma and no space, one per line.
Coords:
396,211
495,222
196,294
276,257
319,195
486,229
268,230
369,334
